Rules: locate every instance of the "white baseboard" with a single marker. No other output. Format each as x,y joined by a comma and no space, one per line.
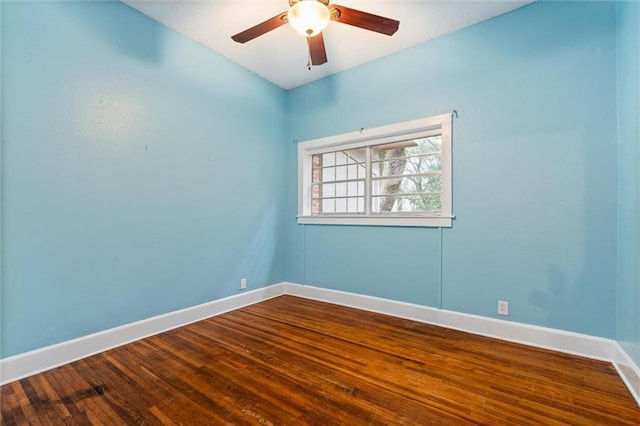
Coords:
39,360
29,363
547,338
628,371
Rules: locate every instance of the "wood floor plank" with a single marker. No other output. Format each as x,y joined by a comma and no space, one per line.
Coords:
386,362
293,361
327,366
174,402
495,359
9,404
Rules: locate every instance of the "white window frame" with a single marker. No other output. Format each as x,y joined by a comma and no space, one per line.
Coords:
424,127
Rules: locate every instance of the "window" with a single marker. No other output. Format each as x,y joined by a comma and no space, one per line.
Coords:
397,175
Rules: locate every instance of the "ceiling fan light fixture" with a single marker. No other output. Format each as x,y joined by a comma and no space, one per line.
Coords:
309,17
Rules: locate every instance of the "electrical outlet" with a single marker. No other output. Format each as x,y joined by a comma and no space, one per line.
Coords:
503,307
243,284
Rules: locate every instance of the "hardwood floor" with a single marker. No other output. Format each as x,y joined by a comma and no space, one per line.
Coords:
292,361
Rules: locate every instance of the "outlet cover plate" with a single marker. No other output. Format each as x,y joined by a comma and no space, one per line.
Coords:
503,307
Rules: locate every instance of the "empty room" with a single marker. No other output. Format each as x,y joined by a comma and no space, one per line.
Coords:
295,212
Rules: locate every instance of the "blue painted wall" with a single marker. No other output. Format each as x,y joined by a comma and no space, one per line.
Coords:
534,170
142,173
120,199
628,53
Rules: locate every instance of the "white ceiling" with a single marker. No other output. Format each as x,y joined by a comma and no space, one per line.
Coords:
280,56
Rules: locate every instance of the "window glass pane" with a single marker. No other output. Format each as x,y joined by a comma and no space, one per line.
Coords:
430,144
329,159
409,157
418,192
406,176
410,184
352,205
408,165
329,174
329,190
352,188
348,166
407,203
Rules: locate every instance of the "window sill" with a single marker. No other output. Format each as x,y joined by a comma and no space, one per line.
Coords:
415,221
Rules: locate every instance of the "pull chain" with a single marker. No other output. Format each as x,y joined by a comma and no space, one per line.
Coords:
309,53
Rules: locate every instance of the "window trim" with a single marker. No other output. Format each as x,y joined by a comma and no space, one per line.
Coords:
424,127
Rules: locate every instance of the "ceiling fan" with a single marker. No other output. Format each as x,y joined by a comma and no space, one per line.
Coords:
310,17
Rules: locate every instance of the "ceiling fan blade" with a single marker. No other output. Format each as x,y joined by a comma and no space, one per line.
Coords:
365,20
317,51
261,28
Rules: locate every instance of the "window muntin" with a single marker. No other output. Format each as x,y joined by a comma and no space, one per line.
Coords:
407,176
338,182
392,175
